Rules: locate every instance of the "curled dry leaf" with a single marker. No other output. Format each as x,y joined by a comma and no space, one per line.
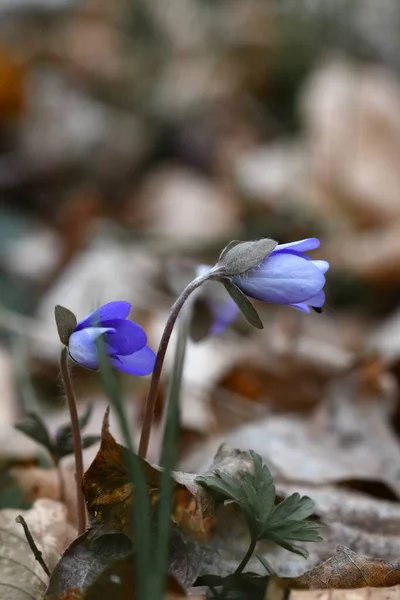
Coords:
346,569
21,576
85,560
109,493
99,569
117,581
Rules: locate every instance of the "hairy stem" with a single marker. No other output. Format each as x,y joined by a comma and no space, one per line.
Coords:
162,349
76,434
246,557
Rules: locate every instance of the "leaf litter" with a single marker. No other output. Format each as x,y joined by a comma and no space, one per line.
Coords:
345,458
21,576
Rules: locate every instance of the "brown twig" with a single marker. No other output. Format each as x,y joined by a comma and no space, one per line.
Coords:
36,552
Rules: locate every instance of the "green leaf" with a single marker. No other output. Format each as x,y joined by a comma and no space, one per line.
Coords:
141,523
34,427
66,447
66,323
244,304
295,507
254,493
239,258
286,524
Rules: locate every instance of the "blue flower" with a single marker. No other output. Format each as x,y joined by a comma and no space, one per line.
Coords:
288,276
124,341
223,309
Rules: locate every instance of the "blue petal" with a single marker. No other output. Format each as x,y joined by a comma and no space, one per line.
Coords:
283,278
129,337
301,245
82,346
119,309
139,363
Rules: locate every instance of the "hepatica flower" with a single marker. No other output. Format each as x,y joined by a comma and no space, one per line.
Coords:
125,342
287,276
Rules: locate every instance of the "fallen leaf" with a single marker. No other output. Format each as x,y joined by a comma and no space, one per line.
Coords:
209,211
21,575
366,124
86,559
116,580
364,593
109,494
12,86
346,569
356,432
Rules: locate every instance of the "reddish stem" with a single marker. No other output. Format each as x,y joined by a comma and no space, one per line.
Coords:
162,349
76,434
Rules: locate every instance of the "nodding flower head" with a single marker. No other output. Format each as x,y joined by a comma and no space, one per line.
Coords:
288,276
125,342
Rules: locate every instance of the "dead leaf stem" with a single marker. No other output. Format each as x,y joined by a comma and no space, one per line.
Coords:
36,552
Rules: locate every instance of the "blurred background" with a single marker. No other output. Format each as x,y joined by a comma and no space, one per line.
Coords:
137,136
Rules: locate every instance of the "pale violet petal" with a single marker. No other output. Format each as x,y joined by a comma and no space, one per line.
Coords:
282,278
82,346
322,265
301,306
300,245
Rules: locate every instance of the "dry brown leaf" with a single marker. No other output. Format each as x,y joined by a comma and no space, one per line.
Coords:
365,593
21,574
12,86
109,494
349,444
208,213
346,569
357,109
356,433
98,575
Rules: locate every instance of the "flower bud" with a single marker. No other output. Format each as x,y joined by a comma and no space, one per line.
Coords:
238,258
